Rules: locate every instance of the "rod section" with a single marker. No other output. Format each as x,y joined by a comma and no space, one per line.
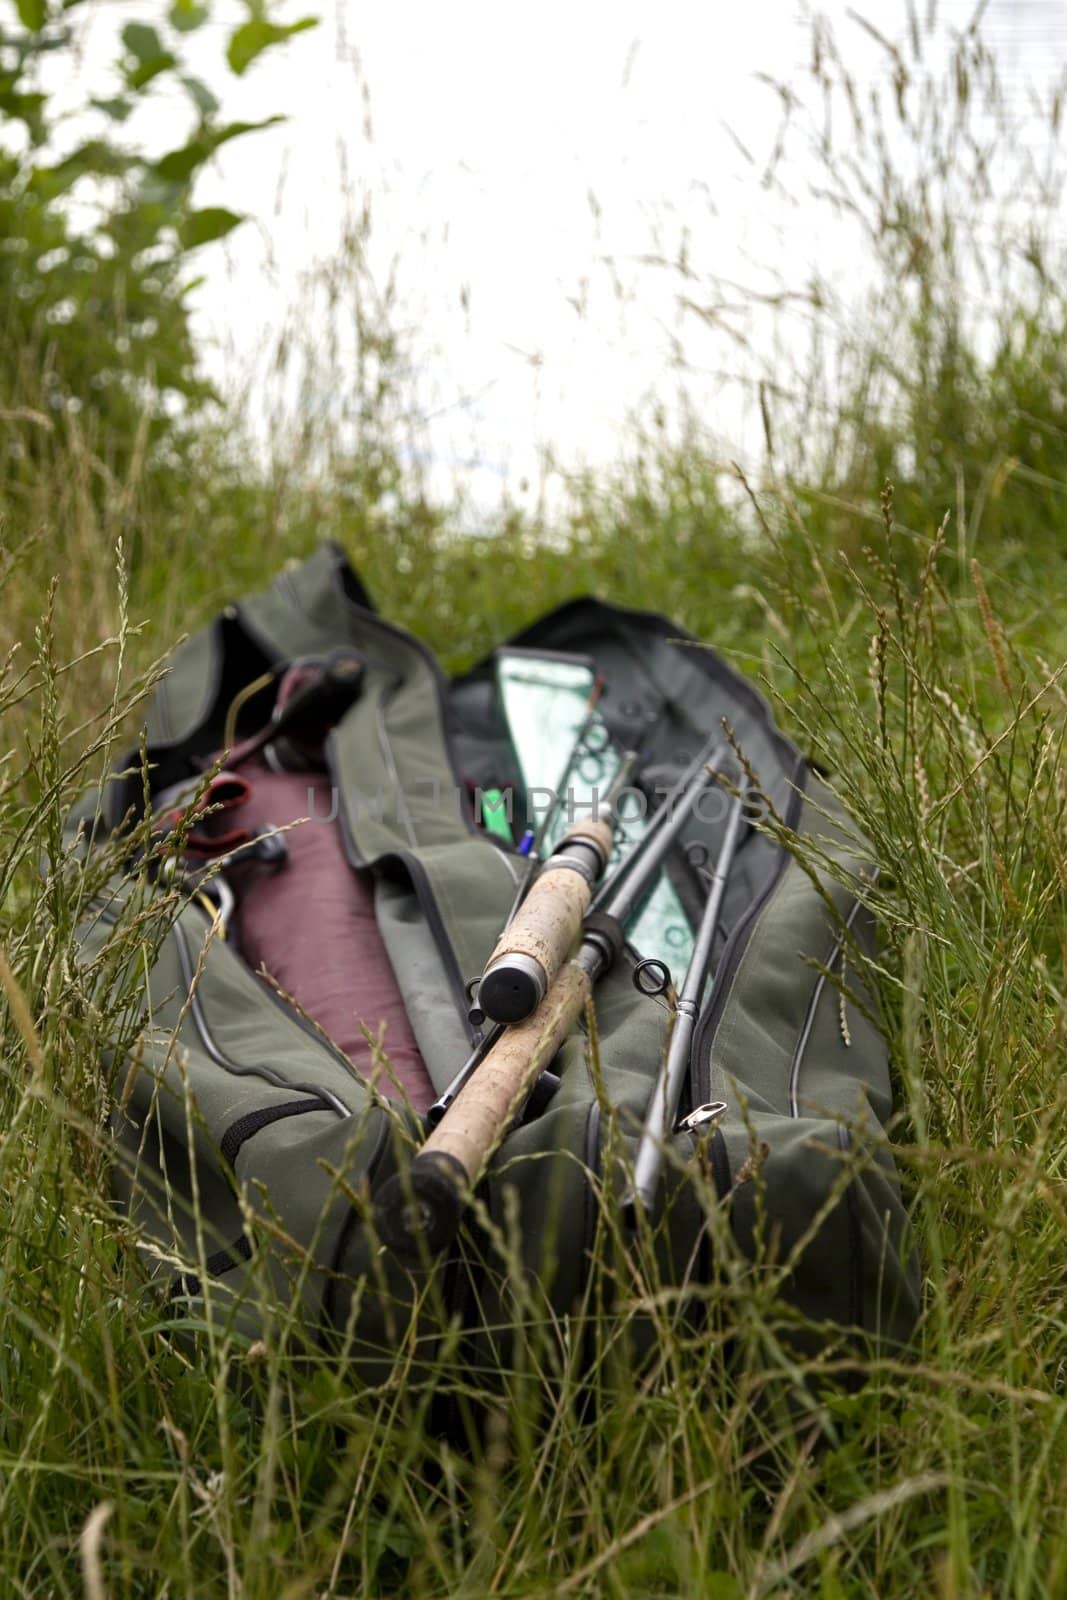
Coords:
666,1095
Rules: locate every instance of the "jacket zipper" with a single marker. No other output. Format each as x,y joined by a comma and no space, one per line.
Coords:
219,1056
425,896
733,950
110,918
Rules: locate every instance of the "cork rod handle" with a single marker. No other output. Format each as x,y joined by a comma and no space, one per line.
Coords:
543,931
419,1210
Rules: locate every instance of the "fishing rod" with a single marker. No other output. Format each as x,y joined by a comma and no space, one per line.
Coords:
660,818
418,1211
540,935
515,976
663,1106
534,945
540,1094
474,1060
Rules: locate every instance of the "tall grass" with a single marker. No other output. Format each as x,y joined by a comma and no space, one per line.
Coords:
913,643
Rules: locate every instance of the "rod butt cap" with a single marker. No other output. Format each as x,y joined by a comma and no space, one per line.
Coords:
418,1212
512,989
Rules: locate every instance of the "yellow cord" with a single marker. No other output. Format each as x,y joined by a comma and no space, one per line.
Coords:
213,912
240,699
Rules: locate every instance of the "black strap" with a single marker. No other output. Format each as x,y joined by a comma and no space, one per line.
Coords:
224,1260
253,1121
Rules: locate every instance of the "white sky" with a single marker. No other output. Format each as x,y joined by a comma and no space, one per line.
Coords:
521,165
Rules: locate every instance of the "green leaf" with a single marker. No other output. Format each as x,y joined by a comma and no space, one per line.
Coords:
178,165
138,227
201,96
142,41
27,108
185,15
117,109
33,14
156,191
96,158
203,227
149,53
257,35
99,157
145,71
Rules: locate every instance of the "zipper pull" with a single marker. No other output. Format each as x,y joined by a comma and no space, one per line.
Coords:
701,1119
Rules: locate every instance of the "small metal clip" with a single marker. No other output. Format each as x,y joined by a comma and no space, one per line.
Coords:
265,845
701,1118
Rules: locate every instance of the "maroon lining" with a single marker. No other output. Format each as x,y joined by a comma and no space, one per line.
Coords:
310,924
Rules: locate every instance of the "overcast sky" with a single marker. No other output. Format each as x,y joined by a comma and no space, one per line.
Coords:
524,167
